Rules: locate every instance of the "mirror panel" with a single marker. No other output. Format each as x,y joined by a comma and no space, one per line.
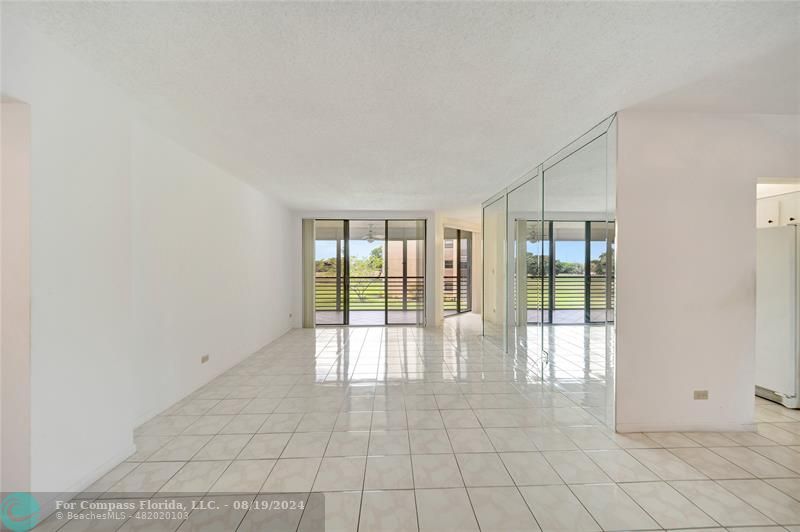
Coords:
578,212
526,282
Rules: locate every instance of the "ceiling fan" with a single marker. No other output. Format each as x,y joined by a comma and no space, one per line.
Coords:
370,237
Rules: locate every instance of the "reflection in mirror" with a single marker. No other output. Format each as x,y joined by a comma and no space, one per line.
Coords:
526,282
578,215
549,272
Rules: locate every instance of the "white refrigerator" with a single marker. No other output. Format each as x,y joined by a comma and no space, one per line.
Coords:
777,314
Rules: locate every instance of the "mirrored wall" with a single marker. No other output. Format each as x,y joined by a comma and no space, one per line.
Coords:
549,243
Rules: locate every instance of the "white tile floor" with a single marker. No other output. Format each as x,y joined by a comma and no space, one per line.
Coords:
409,429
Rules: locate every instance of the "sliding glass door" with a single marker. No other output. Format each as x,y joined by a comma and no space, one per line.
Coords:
568,297
578,287
366,272
600,271
405,280
457,276
369,272
464,271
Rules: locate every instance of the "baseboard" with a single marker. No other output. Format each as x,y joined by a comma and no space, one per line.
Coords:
48,506
141,419
679,427
47,501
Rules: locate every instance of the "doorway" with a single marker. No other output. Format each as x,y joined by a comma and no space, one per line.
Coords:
369,272
777,299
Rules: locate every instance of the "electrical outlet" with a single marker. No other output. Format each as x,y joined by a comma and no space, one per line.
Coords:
204,359
701,395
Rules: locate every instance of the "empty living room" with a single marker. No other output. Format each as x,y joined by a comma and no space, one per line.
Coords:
386,266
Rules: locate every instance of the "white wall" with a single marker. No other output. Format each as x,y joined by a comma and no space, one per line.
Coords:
686,263
132,238
211,273
80,262
495,302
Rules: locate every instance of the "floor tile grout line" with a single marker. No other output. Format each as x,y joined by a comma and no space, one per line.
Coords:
461,474
730,493
622,487
742,466
513,480
590,514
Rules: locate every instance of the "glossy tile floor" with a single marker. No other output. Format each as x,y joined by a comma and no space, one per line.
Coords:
415,429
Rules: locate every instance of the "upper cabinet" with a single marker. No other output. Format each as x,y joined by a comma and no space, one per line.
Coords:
774,211
790,208
768,212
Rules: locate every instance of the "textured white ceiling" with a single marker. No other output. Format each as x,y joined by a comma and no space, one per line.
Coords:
406,105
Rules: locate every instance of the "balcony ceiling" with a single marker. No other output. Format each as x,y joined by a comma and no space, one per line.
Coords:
418,105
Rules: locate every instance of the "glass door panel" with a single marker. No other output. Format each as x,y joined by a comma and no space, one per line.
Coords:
417,260
329,272
450,272
542,269
457,277
601,280
464,271
569,258
405,273
367,272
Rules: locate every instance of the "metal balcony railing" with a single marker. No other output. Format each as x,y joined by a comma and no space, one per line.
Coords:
370,293
451,292
570,292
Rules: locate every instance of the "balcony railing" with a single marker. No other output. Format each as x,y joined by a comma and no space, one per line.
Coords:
367,293
370,293
451,289
569,292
